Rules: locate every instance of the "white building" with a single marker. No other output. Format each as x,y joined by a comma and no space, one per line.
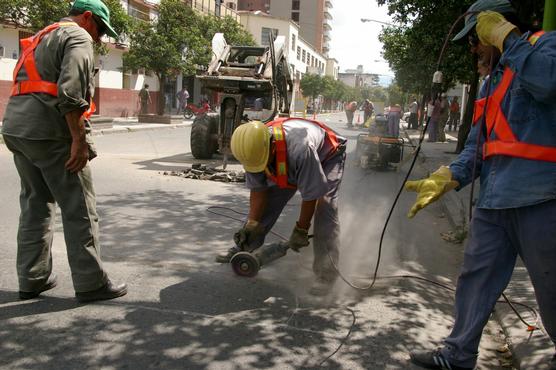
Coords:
302,57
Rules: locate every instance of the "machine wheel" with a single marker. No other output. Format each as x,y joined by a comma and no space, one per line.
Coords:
188,113
245,264
203,145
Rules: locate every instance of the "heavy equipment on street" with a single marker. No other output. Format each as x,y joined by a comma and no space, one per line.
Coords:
252,82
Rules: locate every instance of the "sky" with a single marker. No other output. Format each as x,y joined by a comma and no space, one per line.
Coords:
354,42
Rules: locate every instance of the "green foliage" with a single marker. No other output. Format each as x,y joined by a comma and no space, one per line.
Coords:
412,50
312,85
234,33
37,14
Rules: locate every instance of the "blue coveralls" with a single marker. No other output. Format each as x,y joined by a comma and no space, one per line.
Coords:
516,209
317,174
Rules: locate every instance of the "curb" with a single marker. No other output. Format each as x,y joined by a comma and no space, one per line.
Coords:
122,129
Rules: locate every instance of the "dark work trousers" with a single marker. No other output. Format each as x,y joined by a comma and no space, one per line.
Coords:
326,223
45,182
497,238
349,115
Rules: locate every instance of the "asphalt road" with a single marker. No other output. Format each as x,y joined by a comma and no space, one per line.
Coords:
184,311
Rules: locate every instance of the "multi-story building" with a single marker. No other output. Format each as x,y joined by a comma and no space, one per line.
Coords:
358,78
254,5
313,17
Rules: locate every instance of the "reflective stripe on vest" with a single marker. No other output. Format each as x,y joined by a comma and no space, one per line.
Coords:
281,163
506,143
35,83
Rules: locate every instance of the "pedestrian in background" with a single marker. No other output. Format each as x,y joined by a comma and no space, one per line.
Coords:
46,128
433,112
394,116
413,119
453,120
145,99
182,96
515,159
443,118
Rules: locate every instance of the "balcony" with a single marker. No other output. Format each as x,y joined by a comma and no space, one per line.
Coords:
327,15
209,7
328,4
326,26
326,37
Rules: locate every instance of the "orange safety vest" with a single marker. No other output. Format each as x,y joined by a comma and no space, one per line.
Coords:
281,163
506,143
35,84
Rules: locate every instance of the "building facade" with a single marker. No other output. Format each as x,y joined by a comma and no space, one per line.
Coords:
358,78
312,16
254,5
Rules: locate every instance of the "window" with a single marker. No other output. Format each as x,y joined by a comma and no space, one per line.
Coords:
298,53
295,17
295,4
293,42
265,35
303,56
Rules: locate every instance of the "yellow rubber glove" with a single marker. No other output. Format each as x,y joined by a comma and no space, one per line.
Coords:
430,189
492,29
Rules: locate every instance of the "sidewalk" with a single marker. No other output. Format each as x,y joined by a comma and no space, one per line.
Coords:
530,350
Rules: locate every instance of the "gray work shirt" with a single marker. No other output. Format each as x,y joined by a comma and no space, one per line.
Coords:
65,56
307,150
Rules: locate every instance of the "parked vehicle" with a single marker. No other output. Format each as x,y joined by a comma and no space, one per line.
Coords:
193,110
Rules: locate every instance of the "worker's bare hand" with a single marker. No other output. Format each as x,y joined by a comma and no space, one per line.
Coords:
79,155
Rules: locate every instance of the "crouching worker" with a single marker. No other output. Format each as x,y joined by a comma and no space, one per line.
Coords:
280,158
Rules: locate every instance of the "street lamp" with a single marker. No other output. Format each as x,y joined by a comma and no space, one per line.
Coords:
364,20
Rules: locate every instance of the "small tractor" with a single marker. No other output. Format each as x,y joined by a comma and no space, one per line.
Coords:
246,78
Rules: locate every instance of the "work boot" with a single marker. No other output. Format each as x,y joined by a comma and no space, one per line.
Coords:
321,287
105,292
225,257
433,360
49,284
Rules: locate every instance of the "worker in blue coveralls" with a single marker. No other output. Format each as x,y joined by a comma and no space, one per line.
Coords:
279,158
516,160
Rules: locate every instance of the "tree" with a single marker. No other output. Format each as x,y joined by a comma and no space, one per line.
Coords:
169,45
312,85
37,14
234,33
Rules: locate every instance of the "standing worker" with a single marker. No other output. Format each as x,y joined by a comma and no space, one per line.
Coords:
453,120
516,160
413,111
280,158
45,127
182,96
350,108
145,99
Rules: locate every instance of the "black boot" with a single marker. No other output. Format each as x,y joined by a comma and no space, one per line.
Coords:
225,257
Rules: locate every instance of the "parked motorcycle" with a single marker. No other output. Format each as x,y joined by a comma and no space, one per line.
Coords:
193,110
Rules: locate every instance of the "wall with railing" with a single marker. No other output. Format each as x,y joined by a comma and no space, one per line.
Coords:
210,7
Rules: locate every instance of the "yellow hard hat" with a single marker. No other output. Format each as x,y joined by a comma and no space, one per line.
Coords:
251,145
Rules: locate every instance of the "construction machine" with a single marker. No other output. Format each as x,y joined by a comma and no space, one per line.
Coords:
252,82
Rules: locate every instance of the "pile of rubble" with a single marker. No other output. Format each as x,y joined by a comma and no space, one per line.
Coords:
202,172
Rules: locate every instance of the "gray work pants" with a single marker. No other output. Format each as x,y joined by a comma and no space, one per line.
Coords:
45,182
497,238
326,224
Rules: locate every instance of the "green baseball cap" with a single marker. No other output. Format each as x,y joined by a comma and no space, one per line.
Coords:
500,6
99,9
